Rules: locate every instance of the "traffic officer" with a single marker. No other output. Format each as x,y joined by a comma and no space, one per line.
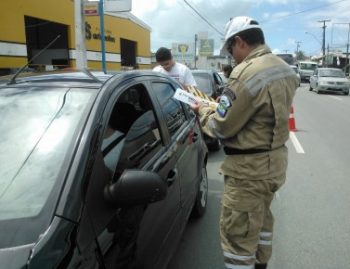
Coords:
251,121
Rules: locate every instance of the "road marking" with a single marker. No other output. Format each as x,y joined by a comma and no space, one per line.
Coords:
336,98
296,143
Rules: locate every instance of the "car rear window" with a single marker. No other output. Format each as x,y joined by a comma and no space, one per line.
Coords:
204,83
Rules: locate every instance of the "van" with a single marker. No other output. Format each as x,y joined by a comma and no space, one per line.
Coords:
306,69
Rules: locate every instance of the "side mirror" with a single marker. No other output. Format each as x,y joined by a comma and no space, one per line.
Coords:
136,187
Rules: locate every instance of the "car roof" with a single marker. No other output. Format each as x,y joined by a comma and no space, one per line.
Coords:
93,79
203,71
307,62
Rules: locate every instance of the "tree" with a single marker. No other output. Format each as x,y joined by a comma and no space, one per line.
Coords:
300,55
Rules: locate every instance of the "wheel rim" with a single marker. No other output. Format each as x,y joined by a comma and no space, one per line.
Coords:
203,188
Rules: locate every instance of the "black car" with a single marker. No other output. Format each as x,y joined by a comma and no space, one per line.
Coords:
96,171
210,83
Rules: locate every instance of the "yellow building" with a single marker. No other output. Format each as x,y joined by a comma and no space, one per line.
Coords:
26,27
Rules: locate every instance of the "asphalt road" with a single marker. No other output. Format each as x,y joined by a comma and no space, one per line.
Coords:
312,210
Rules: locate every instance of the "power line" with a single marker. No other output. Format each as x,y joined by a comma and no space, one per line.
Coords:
203,18
307,10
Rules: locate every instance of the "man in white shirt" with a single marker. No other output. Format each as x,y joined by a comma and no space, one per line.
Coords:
175,70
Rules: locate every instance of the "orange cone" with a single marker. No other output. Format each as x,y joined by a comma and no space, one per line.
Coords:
291,121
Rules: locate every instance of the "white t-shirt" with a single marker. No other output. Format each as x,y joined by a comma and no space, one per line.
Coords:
179,72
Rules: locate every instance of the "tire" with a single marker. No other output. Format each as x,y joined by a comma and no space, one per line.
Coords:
346,93
200,204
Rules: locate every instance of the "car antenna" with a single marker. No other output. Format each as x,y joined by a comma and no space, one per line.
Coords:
13,79
90,75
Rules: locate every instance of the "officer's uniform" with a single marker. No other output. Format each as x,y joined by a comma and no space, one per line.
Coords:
252,124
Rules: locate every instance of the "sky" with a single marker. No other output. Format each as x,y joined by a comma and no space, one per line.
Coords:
286,23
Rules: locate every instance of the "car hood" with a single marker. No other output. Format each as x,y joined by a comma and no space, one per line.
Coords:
333,79
16,257
305,71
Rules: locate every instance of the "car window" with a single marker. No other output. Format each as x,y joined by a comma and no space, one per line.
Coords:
132,136
331,73
37,130
204,83
295,69
218,79
172,108
307,66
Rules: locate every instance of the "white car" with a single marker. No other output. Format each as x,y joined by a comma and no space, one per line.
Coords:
329,80
306,69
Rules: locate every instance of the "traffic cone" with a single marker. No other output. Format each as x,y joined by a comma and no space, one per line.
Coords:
291,121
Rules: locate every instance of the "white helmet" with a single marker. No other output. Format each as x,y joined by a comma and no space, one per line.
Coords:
236,25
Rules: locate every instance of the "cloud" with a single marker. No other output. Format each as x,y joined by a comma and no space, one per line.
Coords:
174,21
282,20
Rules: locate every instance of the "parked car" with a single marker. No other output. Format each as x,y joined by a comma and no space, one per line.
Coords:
96,171
306,69
210,83
295,68
329,80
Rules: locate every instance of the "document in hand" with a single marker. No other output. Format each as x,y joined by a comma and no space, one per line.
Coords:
189,98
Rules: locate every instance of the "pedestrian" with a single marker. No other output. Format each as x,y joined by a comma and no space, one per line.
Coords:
251,121
227,69
168,66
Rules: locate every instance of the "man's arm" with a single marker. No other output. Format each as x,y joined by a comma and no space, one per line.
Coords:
234,111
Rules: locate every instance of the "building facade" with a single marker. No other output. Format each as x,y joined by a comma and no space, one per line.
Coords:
26,27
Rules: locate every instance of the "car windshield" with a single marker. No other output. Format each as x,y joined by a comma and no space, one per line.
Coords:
332,73
307,66
204,83
37,130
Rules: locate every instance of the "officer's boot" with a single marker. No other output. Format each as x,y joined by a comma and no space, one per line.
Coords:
261,266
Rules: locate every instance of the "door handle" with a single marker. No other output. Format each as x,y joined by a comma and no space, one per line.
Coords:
172,176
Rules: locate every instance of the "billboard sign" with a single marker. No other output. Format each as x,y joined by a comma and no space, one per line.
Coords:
206,47
117,5
183,52
91,9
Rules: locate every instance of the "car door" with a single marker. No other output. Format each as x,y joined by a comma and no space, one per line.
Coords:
183,137
131,237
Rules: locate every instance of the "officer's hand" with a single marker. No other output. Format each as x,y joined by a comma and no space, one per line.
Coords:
195,107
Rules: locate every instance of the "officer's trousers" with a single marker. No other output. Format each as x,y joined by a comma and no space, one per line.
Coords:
246,222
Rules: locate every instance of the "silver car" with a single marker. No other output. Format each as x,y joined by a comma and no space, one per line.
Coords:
329,80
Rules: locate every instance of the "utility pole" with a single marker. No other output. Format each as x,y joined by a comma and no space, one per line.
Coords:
81,62
347,53
195,51
324,41
285,51
102,33
298,46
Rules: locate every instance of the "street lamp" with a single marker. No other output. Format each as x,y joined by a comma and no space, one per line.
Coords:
308,33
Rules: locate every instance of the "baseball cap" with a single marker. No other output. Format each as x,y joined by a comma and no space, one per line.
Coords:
236,25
